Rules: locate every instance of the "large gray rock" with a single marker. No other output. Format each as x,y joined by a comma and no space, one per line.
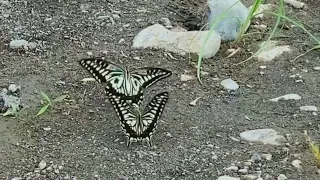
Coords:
265,136
229,26
157,36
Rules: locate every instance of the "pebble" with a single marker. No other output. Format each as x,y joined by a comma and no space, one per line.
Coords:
232,168
256,158
20,43
247,163
116,16
243,171
184,42
166,22
296,4
42,165
229,84
296,163
286,97
227,178
14,88
89,53
121,41
251,176
265,136
267,156
317,68
185,77
309,108
194,102
271,51
282,177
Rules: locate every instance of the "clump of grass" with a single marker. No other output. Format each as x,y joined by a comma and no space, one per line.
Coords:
49,103
314,149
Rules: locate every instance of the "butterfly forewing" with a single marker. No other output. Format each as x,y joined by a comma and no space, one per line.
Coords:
102,70
145,77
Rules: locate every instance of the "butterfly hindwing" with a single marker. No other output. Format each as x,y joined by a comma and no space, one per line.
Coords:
138,125
148,76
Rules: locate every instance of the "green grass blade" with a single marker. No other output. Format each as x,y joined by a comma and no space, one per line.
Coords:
60,98
46,97
43,109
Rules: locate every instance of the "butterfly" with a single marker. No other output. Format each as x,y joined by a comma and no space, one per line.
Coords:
138,124
130,84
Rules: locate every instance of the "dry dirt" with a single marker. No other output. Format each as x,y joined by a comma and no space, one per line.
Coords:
191,142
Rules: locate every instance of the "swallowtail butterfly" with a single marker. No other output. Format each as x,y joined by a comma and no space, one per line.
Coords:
130,84
138,124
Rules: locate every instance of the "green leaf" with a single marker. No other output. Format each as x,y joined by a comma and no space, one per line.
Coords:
60,98
43,109
46,97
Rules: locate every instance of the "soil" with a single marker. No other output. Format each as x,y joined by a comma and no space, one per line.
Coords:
81,137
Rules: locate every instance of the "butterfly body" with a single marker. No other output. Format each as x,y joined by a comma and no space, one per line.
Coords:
139,124
120,80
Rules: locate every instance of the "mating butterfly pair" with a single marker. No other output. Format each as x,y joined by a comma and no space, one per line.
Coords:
125,92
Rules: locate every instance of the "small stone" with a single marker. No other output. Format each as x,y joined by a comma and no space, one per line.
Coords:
185,77
248,163
121,41
296,4
57,171
232,168
89,53
282,177
168,134
251,177
229,84
265,136
263,67
271,51
243,171
136,58
47,128
317,68
42,165
296,163
287,97
267,156
166,22
309,108
32,46
15,44
49,169
193,103
256,158
227,178
13,88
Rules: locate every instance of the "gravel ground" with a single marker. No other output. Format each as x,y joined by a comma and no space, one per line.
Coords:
81,137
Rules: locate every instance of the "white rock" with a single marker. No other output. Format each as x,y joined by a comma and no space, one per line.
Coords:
295,3
317,68
287,97
269,50
194,102
15,44
282,177
309,108
185,77
232,168
229,26
227,178
251,176
296,163
13,88
16,178
265,136
157,36
267,156
243,171
229,84
42,165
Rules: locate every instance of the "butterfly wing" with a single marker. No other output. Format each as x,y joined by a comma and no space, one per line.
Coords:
116,78
145,77
152,113
135,126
